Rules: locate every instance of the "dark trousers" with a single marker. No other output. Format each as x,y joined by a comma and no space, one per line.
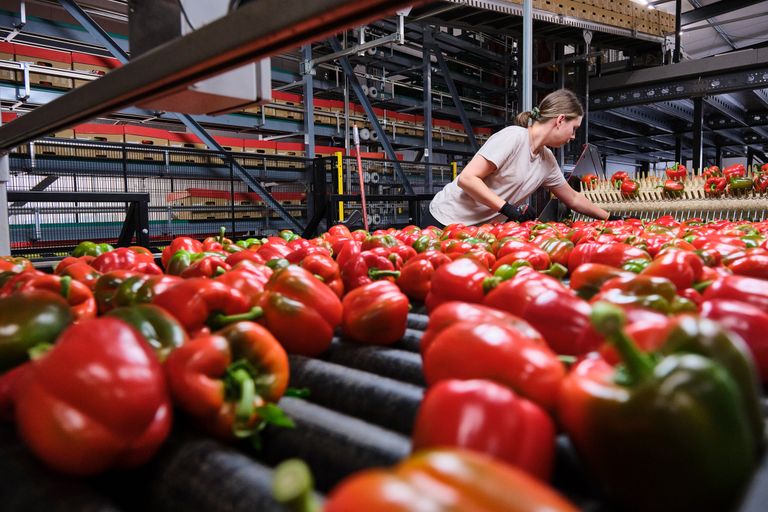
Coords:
428,220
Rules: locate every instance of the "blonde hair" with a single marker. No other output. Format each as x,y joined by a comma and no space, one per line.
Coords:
560,102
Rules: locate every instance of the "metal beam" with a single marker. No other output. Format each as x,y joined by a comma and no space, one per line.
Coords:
710,76
427,71
5,177
698,132
100,35
255,30
713,10
363,99
678,28
455,96
645,116
729,108
527,68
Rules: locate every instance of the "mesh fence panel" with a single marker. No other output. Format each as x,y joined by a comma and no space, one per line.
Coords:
192,192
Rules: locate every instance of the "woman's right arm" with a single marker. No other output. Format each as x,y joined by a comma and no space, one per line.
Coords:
471,181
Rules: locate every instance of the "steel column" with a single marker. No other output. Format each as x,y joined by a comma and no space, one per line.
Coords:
527,71
698,132
718,156
363,99
5,177
100,35
678,28
427,65
456,98
678,149
309,106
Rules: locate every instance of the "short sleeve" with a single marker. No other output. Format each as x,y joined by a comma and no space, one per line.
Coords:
501,146
554,176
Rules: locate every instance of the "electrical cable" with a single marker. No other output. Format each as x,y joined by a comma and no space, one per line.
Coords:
184,13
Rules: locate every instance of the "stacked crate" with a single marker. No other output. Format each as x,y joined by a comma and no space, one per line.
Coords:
94,64
615,13
45,58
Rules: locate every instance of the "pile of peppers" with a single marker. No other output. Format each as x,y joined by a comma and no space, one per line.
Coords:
641,341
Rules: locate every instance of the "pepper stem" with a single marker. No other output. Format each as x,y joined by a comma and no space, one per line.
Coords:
609,321
293,485
222,230
375,273
247,393
220,319
66,286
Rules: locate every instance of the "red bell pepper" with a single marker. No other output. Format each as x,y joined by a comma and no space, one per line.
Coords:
124,258
761,183
15,265
553,310
513,250
715,186
485,417
764,168
629,188
194,302
248,278
711,172
365,268
741,288
746,320
375,314
461,280
60,266
618,178
644,291
78,296
677,172
587,279
589,181
559,249
229,381
616,255
454,312
182,242
734,171
326,269
751,264
216,243
495,350
274,248
246,255
415,278
672,188
681,267
82,272
207,266
300,310
444,480
96,400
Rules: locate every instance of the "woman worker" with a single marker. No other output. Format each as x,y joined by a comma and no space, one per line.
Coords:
512,165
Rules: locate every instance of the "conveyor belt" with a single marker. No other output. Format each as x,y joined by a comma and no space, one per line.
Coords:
359,414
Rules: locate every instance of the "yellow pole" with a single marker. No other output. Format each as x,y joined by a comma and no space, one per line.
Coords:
453,166
340,179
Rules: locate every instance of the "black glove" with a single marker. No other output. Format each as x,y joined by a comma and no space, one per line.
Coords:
614,217
515,213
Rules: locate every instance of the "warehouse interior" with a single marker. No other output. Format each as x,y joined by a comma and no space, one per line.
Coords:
135,123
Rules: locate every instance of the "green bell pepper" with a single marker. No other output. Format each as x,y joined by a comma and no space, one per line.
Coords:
161,330
91,249
28,319
668,431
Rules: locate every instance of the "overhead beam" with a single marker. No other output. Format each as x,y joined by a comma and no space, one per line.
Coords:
253,31
710,76
715,9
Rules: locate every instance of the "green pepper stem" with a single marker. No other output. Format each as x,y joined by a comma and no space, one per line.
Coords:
222,230
702,285
375,273
293,486
220,319
247,391
556,270
39,350
609,320
66,286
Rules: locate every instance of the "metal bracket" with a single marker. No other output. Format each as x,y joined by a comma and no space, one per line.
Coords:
19,24
398,37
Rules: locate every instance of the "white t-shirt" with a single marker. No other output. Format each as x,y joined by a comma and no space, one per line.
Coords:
519,173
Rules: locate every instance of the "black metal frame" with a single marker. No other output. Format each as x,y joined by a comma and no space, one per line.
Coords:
414,203
136,221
